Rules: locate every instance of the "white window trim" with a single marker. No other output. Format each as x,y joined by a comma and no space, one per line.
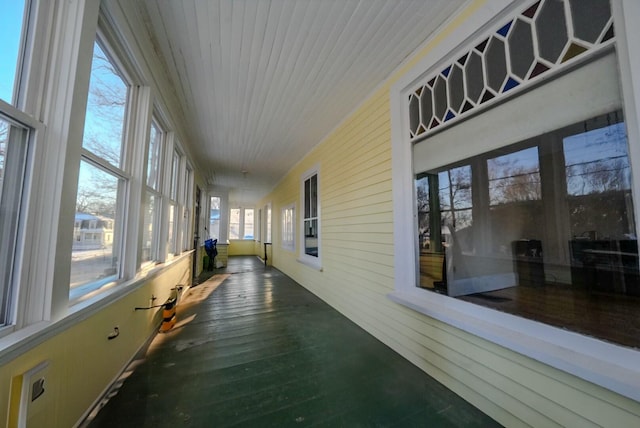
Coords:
605,364
288,245
314,262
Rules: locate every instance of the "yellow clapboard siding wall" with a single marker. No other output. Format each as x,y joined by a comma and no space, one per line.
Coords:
355,195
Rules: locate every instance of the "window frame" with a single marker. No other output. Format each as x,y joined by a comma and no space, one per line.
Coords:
241,220
155,191
605,364
17,304
173,179
309,260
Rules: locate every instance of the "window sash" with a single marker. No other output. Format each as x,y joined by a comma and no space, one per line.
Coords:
248,223
154,158
96,260
234,223
150,226
14,150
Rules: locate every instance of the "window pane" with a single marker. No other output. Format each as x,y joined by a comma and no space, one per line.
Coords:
311,237
214,218
599,183
307,198
175,168
186,218
13,158
171,243
516,208
234,223
11,23
95,255
106,106
548,231
149,229
514,177
248,224
153,160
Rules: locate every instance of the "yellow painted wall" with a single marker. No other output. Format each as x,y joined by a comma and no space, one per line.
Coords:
82,361
223,254
239,247
358,272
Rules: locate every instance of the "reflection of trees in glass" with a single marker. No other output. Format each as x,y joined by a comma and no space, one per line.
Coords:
105,109
597,160
598,176
455,196
422,198
599,183
514,177
443,204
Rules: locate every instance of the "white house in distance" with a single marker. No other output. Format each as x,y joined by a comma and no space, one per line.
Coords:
91,232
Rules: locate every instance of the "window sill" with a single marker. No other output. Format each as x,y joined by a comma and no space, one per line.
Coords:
610,366
311,263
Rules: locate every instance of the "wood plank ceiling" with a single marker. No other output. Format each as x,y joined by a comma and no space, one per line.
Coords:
262,82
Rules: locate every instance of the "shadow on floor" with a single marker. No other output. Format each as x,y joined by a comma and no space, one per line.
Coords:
258,350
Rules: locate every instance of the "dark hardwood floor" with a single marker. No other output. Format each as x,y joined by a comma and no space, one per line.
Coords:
255,349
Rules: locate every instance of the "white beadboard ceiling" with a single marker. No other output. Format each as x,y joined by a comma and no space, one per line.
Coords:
262,82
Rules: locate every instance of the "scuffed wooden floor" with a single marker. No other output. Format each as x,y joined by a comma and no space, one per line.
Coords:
258,350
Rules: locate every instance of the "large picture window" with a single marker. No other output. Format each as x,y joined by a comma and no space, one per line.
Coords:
542,229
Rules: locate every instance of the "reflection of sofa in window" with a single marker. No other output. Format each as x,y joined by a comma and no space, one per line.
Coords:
606,265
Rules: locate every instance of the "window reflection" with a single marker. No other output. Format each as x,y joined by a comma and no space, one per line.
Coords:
543,229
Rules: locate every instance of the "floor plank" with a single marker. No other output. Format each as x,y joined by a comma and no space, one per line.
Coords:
261,351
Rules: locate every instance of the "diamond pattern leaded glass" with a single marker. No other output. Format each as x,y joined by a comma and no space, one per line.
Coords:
542,38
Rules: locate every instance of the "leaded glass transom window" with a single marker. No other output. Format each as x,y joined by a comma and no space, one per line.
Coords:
543,38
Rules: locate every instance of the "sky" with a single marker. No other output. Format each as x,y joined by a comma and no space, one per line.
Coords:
11,17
